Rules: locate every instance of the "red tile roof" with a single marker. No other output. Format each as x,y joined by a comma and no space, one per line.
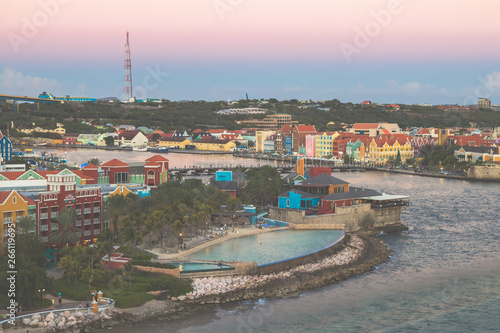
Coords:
5,195
128,135
306,128
90,166
365,126
152,164
114,163
157,158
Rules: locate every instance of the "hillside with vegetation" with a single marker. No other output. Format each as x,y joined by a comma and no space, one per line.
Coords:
169,115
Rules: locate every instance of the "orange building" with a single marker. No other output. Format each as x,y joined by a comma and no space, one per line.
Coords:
12,206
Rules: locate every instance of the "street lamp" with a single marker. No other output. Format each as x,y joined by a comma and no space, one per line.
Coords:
41,291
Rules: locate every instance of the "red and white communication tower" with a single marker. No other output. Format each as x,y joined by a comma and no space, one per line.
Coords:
127,77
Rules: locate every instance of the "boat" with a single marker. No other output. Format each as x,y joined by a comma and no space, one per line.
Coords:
140,149
158,149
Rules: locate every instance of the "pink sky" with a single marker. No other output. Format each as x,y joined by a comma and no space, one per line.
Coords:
252,29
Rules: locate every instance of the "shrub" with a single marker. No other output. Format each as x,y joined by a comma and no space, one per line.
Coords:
152,264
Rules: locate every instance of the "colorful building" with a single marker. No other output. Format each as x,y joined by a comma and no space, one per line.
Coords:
214,145
12,206
174,142
260,140
381,150
299,135
5,148
61,194
324,144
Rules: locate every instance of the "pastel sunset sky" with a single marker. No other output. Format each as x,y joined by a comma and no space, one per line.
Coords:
407,51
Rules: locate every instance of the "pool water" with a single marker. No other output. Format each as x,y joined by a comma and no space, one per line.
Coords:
198,266
269,247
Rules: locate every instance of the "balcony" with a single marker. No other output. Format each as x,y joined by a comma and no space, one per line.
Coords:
86,222
44,216
86,210
54,226
78,212
97,209
97,221
44,227
53,215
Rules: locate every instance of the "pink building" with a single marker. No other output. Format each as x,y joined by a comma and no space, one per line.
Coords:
310,145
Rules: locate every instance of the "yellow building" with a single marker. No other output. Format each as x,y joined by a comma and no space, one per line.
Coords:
260,138
12,206
174,142
324,144
214,145
380,151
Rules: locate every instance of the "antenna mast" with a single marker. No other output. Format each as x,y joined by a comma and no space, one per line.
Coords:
127,77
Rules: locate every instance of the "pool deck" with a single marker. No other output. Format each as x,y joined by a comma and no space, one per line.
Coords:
238,232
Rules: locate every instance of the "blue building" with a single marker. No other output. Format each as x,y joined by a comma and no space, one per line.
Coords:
288,144
296,199
5,148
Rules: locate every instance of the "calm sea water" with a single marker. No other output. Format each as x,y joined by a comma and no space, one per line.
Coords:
444,274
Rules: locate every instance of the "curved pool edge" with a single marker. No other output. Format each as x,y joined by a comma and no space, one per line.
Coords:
311,257
218,241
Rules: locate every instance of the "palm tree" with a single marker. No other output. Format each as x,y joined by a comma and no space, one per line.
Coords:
66,233
25,224
115,207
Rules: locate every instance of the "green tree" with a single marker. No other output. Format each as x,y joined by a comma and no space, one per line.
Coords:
66,232
25,224
95,161
264,184
115,208
110,141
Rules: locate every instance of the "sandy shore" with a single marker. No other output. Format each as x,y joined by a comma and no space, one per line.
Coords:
238,232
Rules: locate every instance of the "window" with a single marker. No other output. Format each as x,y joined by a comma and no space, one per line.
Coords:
14,200
287,203
121,177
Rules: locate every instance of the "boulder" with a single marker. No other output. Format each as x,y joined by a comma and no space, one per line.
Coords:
34,322
71,318
51,324
66,314
61,324
50,317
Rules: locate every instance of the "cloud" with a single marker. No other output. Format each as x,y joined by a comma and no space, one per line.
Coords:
16,83
488,86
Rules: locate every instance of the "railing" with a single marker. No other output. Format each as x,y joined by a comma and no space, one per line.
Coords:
7,220
107,303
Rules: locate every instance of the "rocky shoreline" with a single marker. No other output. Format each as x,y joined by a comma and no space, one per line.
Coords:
359,255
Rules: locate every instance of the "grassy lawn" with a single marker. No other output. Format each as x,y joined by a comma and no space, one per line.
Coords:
126,293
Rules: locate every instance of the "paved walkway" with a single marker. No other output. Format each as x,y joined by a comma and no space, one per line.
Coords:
193,245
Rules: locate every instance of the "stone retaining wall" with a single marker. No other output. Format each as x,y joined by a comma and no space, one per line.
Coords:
348,218
484,173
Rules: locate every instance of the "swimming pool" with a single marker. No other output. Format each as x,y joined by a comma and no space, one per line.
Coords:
268,247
